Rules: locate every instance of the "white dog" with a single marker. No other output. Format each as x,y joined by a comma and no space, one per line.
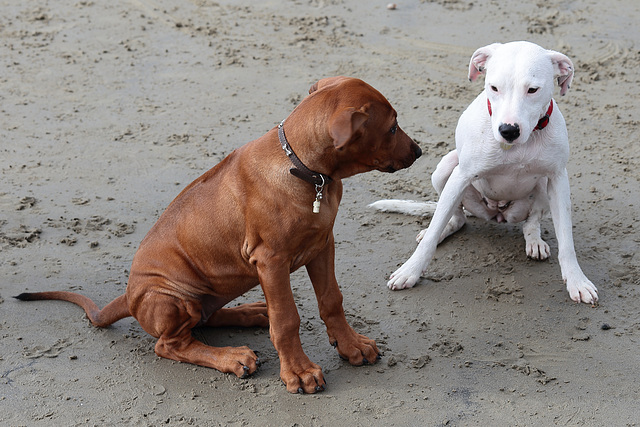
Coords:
509,164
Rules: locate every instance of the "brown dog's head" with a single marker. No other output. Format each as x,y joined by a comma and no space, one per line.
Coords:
364,128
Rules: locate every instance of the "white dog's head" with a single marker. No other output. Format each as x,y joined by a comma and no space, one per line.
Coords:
519,84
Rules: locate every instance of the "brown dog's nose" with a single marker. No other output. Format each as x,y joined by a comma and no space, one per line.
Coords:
418,151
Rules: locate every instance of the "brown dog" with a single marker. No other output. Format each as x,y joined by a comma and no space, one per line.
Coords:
253,219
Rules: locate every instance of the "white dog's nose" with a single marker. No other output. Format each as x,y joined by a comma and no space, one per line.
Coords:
509,132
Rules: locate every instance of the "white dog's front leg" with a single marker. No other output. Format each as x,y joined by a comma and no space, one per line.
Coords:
409,273
579,286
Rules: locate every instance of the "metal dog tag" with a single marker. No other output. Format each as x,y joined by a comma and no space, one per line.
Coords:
316,204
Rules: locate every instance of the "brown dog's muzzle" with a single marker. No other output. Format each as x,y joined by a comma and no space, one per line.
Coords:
417,151
402,155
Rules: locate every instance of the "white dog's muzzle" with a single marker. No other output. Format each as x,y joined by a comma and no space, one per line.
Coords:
511,132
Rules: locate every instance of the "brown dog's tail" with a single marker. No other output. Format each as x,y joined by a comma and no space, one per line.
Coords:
114,311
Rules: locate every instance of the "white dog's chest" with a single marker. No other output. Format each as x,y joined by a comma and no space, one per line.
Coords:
510,182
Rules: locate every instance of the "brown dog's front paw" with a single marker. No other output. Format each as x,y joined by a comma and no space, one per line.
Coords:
356,348
304,379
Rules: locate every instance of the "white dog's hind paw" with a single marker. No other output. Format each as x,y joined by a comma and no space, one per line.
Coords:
538,249
421,235
582,291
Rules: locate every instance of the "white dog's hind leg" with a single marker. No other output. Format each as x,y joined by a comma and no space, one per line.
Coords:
439,179
456,222
535,247
443,171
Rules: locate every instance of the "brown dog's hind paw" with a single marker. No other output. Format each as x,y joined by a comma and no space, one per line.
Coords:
245,315
241,361
246,373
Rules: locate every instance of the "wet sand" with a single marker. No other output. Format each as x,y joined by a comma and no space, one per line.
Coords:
110,109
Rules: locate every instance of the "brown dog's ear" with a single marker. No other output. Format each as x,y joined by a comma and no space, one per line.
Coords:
563,70
345,123
325,82
479,60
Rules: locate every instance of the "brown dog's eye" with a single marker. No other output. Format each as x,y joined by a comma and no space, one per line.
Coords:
532,90
394,128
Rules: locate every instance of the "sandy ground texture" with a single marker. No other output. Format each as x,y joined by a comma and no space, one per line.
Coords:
110,108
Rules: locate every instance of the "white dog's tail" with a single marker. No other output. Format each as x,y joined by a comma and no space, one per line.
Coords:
408,207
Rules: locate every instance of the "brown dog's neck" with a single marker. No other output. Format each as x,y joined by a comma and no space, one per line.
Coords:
301,170
318,179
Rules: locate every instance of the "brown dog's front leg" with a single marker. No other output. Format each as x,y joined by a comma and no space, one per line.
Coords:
352,346
299,374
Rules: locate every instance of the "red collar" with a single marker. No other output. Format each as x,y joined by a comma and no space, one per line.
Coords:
542,123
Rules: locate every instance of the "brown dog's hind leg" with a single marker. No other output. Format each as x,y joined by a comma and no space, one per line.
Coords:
184,348
245,315
171,320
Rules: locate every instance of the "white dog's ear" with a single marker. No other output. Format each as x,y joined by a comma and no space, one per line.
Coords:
563,70
479,60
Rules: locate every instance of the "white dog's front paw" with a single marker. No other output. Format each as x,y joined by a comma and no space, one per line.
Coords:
582,290
404,277
538,249
421,235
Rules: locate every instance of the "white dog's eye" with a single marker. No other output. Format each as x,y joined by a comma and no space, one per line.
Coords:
533,89
493,88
